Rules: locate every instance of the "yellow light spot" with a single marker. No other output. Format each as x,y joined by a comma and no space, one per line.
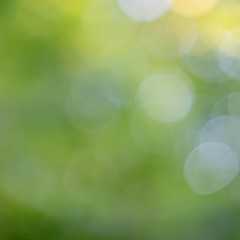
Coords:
192,8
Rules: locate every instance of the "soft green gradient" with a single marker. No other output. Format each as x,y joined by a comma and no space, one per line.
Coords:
81,159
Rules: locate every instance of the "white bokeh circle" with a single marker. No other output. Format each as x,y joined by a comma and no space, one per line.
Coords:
210,167
144,10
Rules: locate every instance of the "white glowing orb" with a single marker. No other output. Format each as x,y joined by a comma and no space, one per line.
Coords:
223,129
166,97
144,10
210,167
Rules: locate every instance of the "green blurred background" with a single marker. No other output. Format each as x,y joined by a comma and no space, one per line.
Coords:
82,157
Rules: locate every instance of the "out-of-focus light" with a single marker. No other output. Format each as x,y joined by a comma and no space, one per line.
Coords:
226,14
145,10
199,51
166,97
223,129
192,8
229,56
210,167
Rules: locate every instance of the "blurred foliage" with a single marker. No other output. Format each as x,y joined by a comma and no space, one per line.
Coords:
80,159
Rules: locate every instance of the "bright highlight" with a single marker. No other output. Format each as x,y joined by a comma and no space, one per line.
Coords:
165,97
144,10
210,167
